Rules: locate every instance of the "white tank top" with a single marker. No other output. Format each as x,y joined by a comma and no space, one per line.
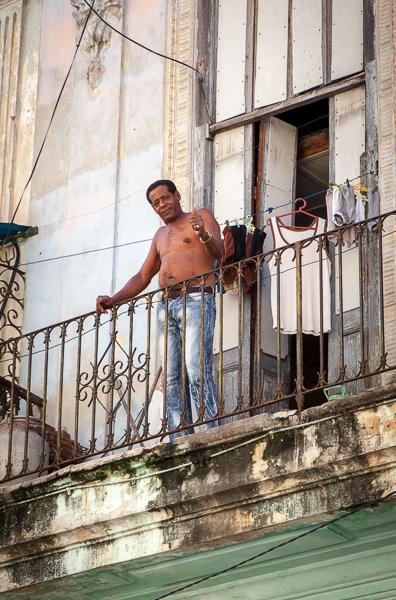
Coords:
310,280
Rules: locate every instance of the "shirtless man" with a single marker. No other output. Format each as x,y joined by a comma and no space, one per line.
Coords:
188,245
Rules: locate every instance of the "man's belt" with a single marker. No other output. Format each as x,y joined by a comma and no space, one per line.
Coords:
178,292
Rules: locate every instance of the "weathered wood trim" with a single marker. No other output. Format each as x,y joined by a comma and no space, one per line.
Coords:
327,39
314,95
371,258
368,31
250,54
313,143
289,84
203,147
247,358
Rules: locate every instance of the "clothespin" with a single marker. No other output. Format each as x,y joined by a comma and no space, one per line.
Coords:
250,225
270,209
227,223
348,184
360,188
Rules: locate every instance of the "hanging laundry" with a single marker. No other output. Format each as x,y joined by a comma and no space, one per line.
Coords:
344,205
254,246
234,250
228,256
238,245
343,216
284,235
341,212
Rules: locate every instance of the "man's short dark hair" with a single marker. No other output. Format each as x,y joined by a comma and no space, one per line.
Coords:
167,182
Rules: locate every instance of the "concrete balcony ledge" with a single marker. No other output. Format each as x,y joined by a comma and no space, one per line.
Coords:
206,490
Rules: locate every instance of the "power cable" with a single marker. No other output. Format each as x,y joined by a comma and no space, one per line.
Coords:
165,56
242,218
143,189
53,113
157,301
241,563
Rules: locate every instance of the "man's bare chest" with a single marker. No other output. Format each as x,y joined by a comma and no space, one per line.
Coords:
179,237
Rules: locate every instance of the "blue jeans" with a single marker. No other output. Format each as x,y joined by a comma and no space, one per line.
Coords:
192,386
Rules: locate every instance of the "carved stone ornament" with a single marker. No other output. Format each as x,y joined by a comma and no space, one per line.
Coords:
97,35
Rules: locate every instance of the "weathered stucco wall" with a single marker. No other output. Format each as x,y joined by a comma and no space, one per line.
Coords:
103,149
232,483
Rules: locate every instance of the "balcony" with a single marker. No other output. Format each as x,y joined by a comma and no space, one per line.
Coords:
92,386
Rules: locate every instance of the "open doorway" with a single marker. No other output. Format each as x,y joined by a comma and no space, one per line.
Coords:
312,181
306,174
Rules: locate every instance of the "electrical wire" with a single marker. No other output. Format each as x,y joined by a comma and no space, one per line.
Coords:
136,478
145,240
241,563
160,54
53,112
143,189
158,301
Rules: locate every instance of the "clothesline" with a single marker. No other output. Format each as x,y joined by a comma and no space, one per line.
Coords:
268,276
270,209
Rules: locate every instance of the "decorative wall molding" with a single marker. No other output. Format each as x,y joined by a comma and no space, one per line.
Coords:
97,35
10,42
386,60
179,94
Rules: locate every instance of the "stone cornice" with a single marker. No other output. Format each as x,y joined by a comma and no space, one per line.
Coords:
233,483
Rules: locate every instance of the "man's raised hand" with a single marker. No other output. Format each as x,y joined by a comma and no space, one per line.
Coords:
197,222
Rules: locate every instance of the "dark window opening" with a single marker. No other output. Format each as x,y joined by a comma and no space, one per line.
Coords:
312,180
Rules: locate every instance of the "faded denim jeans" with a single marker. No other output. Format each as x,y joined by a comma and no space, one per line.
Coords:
192,356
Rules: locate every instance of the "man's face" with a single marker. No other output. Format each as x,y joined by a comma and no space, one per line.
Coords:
165,203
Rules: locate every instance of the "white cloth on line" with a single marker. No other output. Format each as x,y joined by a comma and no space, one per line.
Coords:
310,280
344,205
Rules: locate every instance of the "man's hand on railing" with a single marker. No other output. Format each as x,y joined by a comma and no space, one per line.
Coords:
103,303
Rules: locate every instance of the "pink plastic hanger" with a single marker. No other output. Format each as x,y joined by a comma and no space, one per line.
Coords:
299,210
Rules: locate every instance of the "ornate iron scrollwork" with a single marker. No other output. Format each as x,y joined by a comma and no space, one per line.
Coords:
12,289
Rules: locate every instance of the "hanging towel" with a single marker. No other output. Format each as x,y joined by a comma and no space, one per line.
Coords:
310,280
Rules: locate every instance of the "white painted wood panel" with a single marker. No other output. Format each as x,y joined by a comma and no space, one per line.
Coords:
347,38
231,52
279,182
307,44
271,52
349,145
228,205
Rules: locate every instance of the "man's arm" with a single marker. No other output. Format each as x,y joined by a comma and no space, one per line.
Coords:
136,284
207,229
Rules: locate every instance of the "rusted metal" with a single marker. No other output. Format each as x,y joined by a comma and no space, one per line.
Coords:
362,308
72,387
239,403
257,383
201,412
341,364
220,396
299,334
278,388
183,415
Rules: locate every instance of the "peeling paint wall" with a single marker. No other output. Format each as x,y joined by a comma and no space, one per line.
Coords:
207,490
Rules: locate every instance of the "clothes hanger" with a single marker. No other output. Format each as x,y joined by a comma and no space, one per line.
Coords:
299,210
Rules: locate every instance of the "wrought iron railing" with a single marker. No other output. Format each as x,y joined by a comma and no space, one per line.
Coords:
92,385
